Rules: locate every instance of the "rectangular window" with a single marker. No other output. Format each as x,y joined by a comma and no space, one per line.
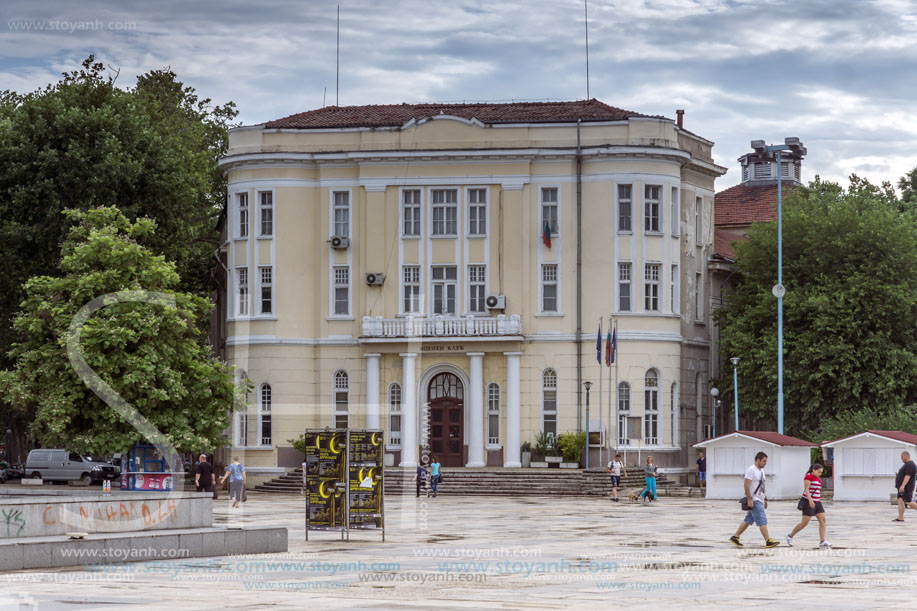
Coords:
341,290
676,211
411,289
549,412
651,287
341,213
699,296
341,415
675,296
394,426
624,207
651,428
242,280
266,400
493,415
242,201
476,295
549,287
477,211
267,290
445,212
698,220
411,212
623,412
651,207
549,210
267,213
444,289
624,270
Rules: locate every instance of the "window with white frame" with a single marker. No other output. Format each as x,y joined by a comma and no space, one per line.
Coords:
266,213
242,204
676,209
341,399
394,414
651,408
623,412
675,294
651,287
444,289
624,275
341,290
493,414
549,402
410,289
242,426
264,414
549,287
676,412
477,211
411,212
476,294
651,220
445,212
341,213
267,289
242,291
625,207
549,210
699,296
698,220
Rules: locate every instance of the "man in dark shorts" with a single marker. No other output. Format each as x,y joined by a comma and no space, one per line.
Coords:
904,482
702,470
615,467
203,475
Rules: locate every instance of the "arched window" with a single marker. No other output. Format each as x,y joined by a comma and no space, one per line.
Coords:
493,414
341,399
394,414
623,412
651,407
264,413
549,402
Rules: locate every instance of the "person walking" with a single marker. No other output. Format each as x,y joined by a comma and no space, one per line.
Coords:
236,474
756,499
904,482
701,470
810,505
615,468
434,475
650,472
421,478
203,475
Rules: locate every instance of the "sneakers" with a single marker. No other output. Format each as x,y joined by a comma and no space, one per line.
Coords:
824,545
789,540
771,543
735,541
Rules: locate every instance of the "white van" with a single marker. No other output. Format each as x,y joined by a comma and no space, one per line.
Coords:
62,466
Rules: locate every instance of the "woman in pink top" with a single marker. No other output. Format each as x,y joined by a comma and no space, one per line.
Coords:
810,505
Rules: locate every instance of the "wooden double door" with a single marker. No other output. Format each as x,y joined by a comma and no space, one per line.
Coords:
447,416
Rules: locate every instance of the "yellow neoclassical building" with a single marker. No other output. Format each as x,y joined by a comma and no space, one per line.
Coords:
425,269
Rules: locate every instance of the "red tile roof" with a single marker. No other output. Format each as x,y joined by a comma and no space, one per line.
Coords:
746,204
766,436
722,244
396,115
896,435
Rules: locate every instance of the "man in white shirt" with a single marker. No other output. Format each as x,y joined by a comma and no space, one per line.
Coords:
615,467
756,498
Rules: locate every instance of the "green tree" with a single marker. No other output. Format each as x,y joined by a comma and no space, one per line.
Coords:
850,310
155,357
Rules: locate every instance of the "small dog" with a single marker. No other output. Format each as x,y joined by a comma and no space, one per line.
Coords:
632,495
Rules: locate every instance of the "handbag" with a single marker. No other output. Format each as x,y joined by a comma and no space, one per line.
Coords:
743,502
244,495
803,504
215,495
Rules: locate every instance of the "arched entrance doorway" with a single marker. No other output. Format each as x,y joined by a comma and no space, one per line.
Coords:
446,401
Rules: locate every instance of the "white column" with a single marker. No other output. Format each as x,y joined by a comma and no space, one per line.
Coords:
476,411
512,448
372,391
408,411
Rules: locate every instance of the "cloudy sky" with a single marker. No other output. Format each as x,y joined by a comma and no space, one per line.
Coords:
839,74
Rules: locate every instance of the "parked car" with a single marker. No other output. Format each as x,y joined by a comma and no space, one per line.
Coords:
57,465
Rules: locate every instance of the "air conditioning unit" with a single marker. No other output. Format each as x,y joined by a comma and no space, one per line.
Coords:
375,279
495,302
339,242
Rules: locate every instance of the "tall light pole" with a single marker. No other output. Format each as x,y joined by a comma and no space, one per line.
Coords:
588,385
735,386
714,392
797,150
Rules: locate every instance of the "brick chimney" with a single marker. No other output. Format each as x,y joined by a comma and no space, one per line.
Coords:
681,118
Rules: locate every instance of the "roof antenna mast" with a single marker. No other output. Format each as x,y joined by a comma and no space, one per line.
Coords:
586,12
337,64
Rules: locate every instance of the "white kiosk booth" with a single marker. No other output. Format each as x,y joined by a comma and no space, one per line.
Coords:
865,464
728,456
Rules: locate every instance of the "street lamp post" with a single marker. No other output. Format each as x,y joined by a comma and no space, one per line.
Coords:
798,150
735,386
588,385
714,392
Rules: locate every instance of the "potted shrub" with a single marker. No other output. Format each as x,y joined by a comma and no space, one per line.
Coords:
526,454
571,447
544,444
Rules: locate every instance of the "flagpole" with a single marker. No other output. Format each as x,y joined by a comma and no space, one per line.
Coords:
611,424
601,424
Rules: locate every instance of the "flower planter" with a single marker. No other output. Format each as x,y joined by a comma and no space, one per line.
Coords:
526,459
539,465
569,465
557,459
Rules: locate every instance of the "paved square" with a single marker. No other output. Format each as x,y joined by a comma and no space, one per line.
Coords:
532,552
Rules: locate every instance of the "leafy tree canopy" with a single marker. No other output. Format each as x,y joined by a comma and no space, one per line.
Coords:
156,358
850,311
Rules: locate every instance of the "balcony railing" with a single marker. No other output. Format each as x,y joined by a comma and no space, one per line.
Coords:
442,326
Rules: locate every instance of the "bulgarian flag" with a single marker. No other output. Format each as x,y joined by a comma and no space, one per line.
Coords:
611,343
598,345
546,235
